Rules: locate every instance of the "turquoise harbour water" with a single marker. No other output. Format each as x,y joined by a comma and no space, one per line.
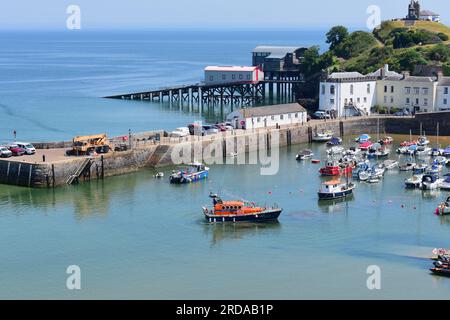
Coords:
134,236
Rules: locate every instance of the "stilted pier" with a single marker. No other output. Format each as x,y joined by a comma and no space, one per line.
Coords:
241,94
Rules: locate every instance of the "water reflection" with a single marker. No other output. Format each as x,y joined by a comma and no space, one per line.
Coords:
237,231
335,206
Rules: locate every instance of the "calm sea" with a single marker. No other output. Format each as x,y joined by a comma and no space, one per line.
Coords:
137,237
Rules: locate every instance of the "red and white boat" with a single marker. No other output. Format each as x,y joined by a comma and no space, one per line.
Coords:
386,140
335,169
408,143
365,145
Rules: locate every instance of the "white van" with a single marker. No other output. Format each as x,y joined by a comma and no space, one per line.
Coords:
28,147
180,132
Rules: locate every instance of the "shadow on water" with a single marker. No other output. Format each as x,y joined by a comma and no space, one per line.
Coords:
85,199
219,232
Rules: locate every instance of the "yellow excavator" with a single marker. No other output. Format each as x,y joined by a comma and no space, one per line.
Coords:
83,145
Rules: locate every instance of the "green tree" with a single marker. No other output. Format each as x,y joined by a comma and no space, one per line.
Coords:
439,52
336,36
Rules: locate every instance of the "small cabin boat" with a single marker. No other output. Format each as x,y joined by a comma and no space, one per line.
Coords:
239,211
444,208
390,164
409,166
386,140
159,175
408,143
334,169
364,146
446,152
363,138
431,181
335,141
423,141
304,154
423,150
435,152
415,182
445,185
334,189
335,151
323,136
193,173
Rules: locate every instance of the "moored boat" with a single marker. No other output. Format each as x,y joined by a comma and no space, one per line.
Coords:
423,141
445,185
386,140
304,154
390,164
444,208
441,271
335,151
335,141
431,181
192,173
415,182
334,189
323,136
408,166
363,138
239,211
364,146
332,168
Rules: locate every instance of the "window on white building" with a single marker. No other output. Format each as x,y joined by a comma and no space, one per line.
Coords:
385,99
385,88
233,76
296,115
368,88
425,91
211,78
417,90
332,102
446,90
351,89
323,89
392,89
425,102
365,99
332,89
358,100
240,76
272,117
392,99
258,119
408,100
282,117
417,101
408,90
445,101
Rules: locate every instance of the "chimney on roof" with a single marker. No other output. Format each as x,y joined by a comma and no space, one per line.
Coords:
384,71
405,74
440,75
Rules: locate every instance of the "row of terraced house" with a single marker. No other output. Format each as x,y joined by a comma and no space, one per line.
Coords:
351,93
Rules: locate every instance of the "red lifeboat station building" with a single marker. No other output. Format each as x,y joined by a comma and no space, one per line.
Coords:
232,74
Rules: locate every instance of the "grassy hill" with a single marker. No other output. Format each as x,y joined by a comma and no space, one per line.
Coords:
403,46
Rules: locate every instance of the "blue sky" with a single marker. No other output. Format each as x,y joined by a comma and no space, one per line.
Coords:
203,14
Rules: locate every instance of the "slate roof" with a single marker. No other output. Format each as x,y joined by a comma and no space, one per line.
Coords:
271,110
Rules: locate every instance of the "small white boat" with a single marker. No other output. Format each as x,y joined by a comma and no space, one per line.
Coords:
304,154
390,164
444,208
445,185
409,166
335,150
436,152
373,180
323,136
423,141
431,182
414,182
159,175
422,150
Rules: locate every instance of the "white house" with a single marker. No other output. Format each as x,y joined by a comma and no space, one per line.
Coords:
269,116
347,93
443,94
428,15
224,74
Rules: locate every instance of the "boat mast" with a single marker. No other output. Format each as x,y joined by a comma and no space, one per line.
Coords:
437,136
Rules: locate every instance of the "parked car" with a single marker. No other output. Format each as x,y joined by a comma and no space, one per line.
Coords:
209,129
196,129
180,132
321,115
16,150
4,152
121,147
228,126
402,113
28,147
220,127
